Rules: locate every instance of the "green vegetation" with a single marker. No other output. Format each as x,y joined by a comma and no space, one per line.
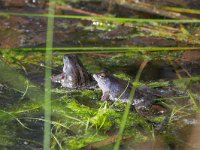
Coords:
77,119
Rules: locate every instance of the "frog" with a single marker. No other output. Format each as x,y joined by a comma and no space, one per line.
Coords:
113,88
116,89
74,75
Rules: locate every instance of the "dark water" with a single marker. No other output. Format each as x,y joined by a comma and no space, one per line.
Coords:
22,80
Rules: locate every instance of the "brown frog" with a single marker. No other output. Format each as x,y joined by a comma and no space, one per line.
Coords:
74,74
116,89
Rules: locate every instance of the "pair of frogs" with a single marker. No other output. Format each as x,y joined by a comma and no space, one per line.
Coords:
75,76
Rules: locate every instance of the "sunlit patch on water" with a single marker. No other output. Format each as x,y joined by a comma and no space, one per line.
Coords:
190,121
138,101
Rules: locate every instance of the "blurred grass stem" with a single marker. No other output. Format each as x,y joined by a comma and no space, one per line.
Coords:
48,58
130,102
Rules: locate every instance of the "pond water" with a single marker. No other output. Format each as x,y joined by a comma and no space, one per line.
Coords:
79,118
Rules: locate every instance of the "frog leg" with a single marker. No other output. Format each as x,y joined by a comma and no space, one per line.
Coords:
105,96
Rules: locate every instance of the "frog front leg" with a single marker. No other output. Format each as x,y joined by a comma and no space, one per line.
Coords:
105,96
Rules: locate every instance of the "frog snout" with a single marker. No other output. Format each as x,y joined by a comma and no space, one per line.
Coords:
94,76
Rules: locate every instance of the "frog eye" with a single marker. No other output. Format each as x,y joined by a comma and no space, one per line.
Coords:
102,75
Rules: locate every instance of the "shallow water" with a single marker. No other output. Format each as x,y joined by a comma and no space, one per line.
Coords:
79,118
